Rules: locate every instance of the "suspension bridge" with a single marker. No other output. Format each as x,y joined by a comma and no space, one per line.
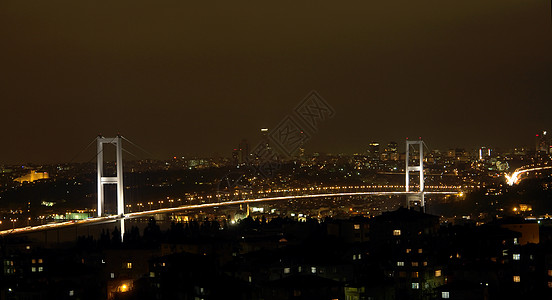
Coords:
415,194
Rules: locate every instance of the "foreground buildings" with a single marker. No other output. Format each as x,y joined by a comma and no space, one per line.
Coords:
402,254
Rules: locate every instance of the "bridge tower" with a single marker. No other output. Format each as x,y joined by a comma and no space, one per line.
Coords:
118,179
415,199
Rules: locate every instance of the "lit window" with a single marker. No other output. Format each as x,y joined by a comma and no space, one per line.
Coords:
420,250
287,270
152,274
40,269
415,285
40,260
123,288
299,269
33,261
438,273
354,256
400,264
550,284
357,226
445,295
516,241
408,250
415,274
397,232
129,265
359,256
414,263
112,275
313,270
549,272
33,269
517,278
516,256
71,293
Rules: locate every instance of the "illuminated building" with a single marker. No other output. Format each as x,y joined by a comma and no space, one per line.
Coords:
32,176
264,139
373,150
390,152
484,153
542,142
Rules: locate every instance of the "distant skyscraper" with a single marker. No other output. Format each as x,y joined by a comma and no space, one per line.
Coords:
264,138
244,151
392,147
302,154
374,150
235,156
484,153
542,142
392,151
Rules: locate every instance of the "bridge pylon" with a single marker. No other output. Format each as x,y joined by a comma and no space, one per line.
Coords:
117,179
418,198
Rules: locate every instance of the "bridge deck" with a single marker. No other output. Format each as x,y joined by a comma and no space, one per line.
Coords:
100,220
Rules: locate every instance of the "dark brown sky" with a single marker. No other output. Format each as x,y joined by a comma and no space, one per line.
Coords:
182,78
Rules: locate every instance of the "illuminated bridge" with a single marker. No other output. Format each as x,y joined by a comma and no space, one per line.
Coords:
132,215
414,193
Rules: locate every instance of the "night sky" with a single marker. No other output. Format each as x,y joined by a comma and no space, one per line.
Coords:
183,78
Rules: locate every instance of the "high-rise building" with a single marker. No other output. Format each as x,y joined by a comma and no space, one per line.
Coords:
235,156
484,153
542,142
264,139
392,147
373,150
244,151
392,151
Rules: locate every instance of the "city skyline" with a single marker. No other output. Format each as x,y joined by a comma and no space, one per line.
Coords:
276,150
189,79
137,152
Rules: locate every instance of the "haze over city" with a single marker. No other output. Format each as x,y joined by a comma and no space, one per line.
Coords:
182,78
